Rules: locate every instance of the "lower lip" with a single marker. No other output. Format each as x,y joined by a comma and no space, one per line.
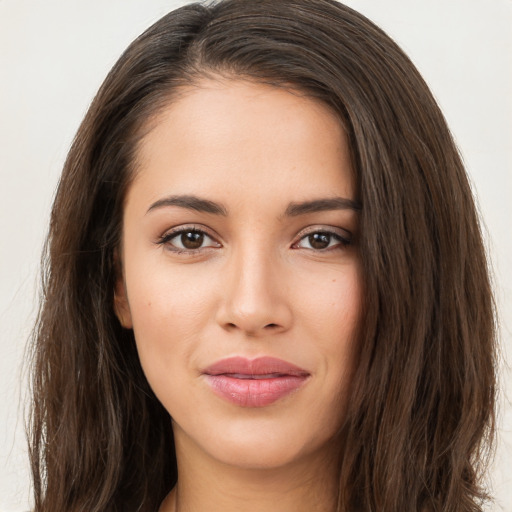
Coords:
254,392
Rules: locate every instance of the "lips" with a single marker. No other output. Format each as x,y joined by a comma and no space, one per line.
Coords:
254,383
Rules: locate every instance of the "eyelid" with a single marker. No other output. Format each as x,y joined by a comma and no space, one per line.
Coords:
345,236
319,228
175,231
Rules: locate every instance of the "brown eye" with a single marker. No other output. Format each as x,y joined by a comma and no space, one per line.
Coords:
319,240
183,240
322,240
192,239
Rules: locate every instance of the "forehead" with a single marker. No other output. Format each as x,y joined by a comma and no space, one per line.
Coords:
241,137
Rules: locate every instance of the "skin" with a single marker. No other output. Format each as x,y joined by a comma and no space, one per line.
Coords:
255,287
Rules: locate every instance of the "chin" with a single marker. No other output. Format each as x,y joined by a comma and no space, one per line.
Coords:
258,455
263,444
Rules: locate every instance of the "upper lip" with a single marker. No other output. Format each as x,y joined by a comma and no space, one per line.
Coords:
269,366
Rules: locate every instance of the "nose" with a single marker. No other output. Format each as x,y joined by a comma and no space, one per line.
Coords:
255,300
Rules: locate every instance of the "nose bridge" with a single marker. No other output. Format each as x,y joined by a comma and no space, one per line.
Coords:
255,299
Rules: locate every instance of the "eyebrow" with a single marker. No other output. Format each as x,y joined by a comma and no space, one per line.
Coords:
190,203
321,205
293,210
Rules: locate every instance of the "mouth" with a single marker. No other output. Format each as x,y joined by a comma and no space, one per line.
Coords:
254,383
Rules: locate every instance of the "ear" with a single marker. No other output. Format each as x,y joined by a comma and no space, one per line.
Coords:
121,305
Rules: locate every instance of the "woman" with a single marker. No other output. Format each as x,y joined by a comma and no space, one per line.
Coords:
266,287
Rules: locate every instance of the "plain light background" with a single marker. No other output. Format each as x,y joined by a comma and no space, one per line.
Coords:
55,54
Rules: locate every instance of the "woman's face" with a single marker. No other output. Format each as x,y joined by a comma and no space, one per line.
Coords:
241,275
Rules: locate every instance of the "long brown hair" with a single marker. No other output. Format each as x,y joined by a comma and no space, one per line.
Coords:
421,411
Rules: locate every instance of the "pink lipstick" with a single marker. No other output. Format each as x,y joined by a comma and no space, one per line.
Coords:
254,383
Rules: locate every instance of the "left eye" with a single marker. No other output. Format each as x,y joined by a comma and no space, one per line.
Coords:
321,240
189,240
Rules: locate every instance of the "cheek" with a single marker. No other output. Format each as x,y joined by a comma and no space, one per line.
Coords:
346,307
169,311
333,314
332,303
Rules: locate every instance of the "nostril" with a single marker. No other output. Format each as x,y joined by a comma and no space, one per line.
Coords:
271,326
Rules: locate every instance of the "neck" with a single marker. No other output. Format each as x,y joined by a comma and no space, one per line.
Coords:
306,485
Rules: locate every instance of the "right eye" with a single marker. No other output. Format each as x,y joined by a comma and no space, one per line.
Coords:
187,240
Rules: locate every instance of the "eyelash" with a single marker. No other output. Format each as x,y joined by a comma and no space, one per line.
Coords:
167,237
343,242
165,240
